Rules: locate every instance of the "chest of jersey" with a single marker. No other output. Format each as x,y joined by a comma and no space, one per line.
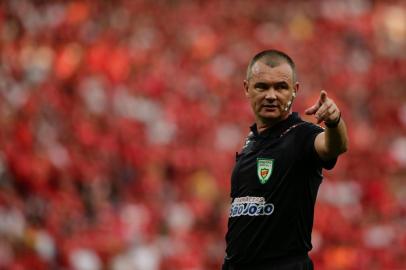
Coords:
263,165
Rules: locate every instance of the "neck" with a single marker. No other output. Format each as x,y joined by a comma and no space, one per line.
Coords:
264,124
262,127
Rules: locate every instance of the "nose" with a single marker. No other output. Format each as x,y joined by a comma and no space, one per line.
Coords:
270,94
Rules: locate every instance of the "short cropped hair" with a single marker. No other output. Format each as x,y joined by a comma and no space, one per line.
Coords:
272,58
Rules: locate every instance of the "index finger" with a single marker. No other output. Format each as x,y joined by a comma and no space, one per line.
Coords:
323,96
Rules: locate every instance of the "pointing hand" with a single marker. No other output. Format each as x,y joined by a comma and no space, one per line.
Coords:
325,110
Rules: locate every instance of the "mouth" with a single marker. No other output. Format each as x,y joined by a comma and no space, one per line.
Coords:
270,106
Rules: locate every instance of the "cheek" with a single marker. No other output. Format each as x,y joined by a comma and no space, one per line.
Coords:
256,97
256,101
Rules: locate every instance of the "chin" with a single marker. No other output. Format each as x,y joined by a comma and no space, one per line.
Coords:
272,115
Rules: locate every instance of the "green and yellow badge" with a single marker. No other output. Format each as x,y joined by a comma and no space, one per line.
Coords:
264,169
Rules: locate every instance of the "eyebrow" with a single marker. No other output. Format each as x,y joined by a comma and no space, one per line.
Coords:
262,84
282,83
267,84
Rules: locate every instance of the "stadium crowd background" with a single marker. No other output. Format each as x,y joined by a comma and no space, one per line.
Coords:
120,121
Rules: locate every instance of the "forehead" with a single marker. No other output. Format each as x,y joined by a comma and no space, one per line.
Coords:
260,71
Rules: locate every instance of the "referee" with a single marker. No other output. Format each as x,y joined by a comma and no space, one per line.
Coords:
277,173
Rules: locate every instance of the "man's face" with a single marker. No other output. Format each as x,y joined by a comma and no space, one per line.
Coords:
269,90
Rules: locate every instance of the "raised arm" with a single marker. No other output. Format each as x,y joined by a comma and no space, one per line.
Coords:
334,140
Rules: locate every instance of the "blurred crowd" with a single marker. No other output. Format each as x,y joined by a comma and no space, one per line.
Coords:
120,120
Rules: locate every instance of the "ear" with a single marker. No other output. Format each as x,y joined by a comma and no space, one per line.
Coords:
246,84
295,88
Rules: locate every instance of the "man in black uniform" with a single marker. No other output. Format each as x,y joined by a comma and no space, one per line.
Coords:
277,174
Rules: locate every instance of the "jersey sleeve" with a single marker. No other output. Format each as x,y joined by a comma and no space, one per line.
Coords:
307,136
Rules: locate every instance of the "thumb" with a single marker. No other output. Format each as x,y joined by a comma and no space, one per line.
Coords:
313,109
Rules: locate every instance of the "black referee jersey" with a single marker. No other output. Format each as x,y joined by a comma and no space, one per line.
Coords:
274,186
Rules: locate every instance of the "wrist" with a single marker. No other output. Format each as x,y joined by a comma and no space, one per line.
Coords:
333,124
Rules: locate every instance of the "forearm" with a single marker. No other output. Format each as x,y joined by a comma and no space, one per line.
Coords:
332,142
335,140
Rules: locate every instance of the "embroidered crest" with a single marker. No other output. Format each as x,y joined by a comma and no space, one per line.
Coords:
264,169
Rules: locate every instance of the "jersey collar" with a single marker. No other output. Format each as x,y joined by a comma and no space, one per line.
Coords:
277,129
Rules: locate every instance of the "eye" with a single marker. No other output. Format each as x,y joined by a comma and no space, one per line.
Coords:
261,86
281,86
